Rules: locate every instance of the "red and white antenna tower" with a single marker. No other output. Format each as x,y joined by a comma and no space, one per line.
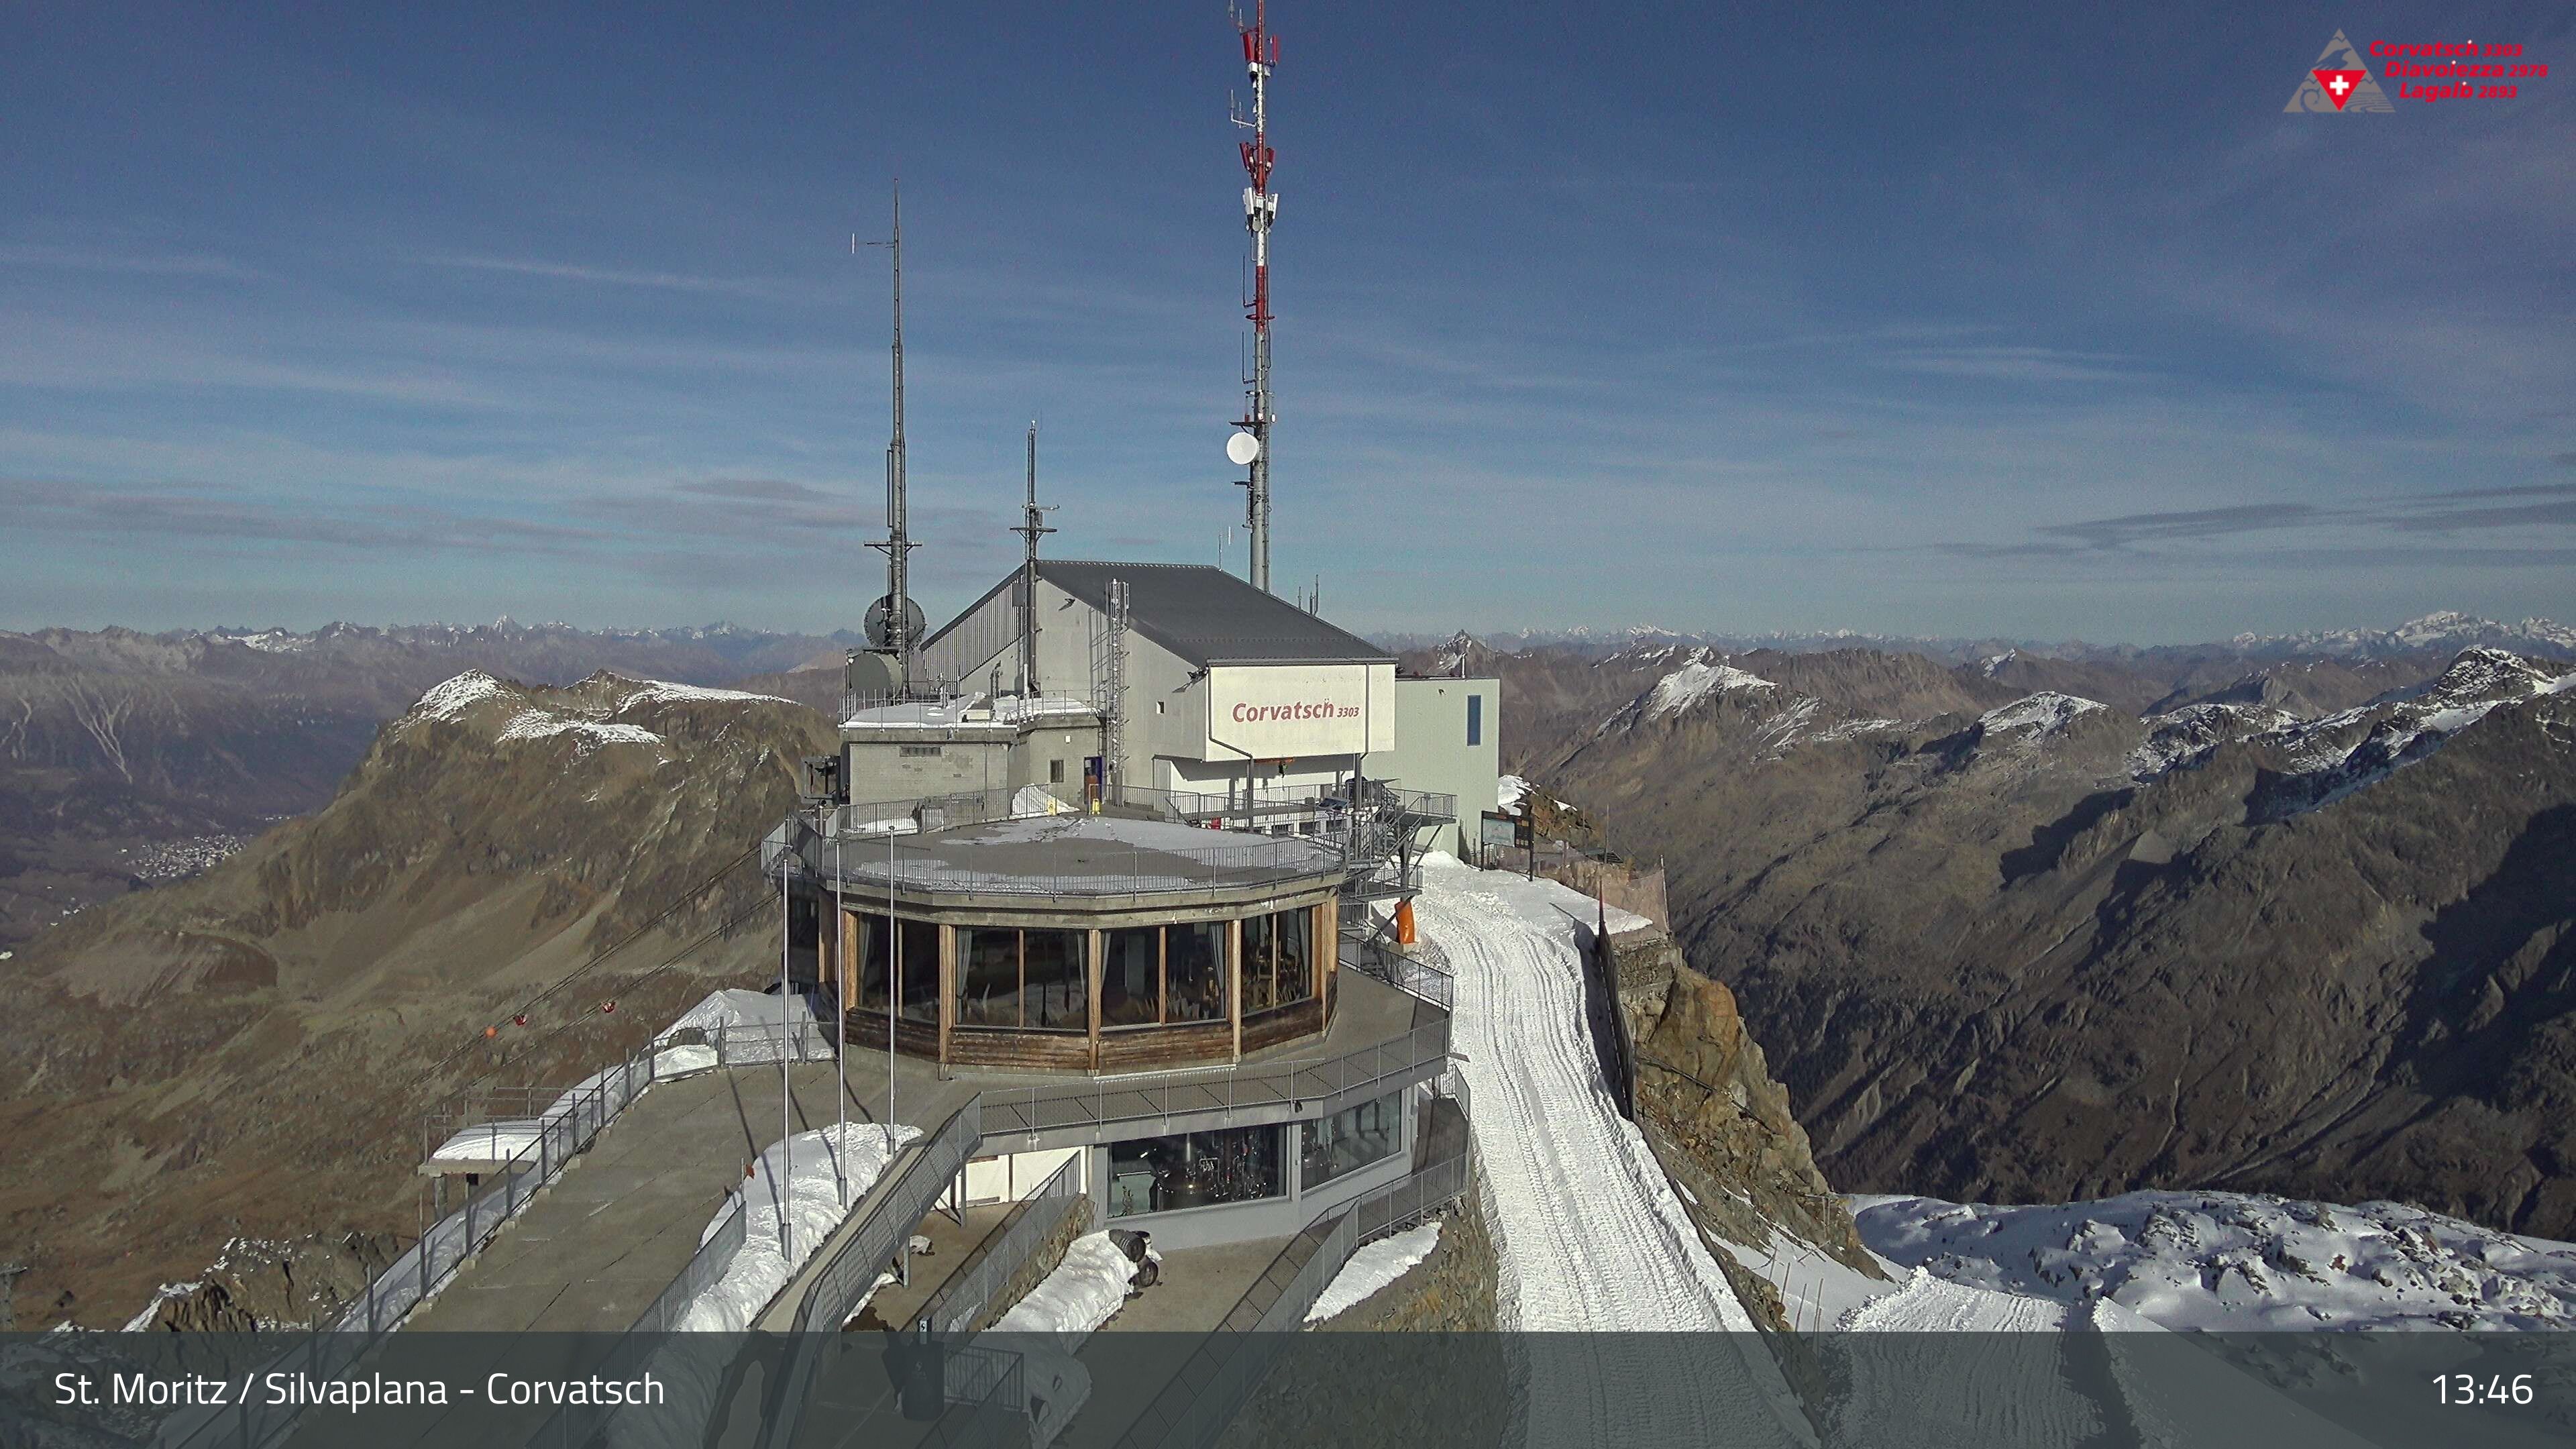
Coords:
1260,209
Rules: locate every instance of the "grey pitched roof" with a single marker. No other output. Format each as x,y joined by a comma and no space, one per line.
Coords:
1208,616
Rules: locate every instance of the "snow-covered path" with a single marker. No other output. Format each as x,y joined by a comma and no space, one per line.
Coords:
1592,1239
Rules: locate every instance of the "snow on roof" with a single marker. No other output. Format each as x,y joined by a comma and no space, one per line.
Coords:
1076,855
1009,709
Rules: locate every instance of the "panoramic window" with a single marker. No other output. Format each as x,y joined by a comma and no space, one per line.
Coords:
1131,977
917,980
1350,1140
1194,1169
1194,972
1030,980
875,961
1277,957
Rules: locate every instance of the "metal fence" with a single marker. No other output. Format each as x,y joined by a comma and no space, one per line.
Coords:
1294,1084
714,1255
967,1300
565,1128
852,1270
1311,827
1421,969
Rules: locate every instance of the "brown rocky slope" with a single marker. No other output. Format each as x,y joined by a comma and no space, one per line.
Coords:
2055,951
246,1055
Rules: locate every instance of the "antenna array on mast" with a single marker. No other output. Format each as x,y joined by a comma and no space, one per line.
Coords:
1033,525
901,618
1260,210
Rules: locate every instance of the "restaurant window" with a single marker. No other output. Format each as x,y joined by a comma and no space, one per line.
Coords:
917,980
1194,1169
1350,1140
1277,960
1194,972
876,962
1030,980
1131,977
912,949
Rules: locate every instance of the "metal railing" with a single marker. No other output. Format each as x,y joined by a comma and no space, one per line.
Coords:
967,1300
671,1306
1295,1084
1309,828
899,1203
1420,970
850,1274
564,1129
508,1117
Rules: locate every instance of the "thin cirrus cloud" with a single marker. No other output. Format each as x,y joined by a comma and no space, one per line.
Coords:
2016,364
2466,511
767,289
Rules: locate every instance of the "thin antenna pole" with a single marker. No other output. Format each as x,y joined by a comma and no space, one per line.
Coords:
786,1117
1032,527
840,1024
898,545
1260,211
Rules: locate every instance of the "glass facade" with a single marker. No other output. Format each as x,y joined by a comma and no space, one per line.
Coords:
914,946
1350,1140
1195,1169
1024,980
1131,977
1194,972
1012,978
1278,960
917,983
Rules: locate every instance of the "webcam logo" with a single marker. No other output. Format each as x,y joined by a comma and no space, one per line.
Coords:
2339,82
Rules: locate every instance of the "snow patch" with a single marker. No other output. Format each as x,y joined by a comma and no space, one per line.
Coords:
1373,1267
1511,790
538,724
1698,680
663,691
824,1173
2234,1261
450,698
1084,1291
2043,714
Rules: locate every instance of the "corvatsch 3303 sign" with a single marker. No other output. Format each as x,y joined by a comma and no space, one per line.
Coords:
1294,711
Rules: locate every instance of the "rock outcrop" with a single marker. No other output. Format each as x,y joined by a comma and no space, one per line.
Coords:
1719,1123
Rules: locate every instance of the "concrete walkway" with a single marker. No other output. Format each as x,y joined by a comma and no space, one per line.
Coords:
611,1233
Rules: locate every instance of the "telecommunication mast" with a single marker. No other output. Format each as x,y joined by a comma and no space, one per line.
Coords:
1260,208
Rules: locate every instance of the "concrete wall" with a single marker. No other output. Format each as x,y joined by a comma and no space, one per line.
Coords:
1431,750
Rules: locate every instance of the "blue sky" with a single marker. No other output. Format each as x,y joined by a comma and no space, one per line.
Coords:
2039,321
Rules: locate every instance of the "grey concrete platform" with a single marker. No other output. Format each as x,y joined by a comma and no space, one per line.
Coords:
610,1234
1199,1287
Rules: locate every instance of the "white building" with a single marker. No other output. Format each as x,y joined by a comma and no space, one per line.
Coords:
1225,684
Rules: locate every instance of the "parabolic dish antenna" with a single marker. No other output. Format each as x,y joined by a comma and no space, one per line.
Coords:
1242,448
880,611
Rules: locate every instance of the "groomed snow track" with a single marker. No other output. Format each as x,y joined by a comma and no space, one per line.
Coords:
1639,1339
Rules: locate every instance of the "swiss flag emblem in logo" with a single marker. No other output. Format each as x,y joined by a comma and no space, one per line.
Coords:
2339,84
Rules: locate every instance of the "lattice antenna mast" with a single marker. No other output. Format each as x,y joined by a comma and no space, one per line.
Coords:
1113,699
898,544
1033,525
1260,210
